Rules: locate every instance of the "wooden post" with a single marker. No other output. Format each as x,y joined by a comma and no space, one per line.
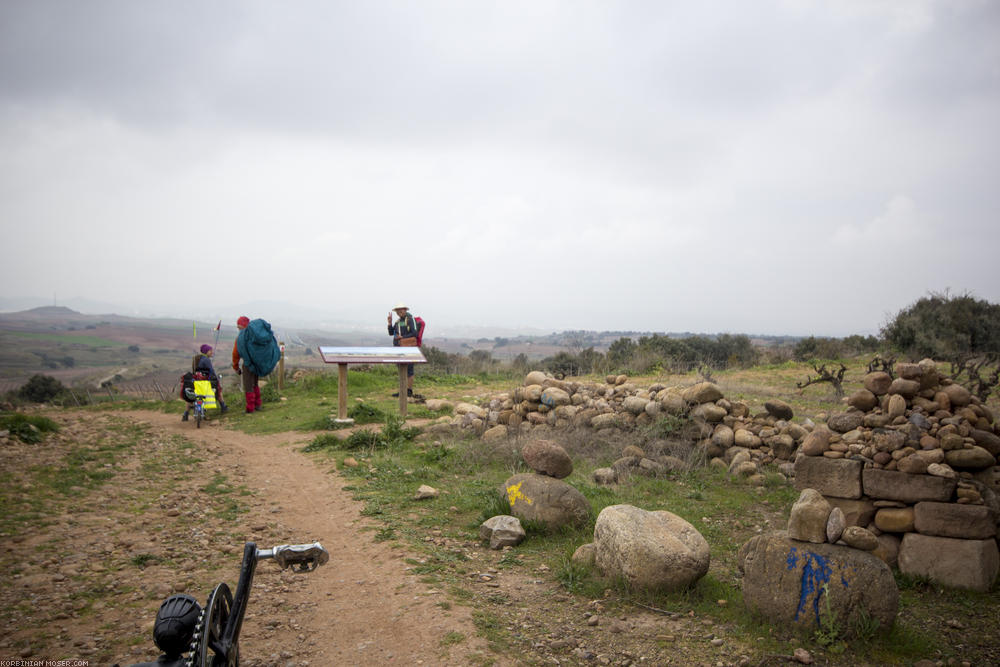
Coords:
402,390
281,367
341,392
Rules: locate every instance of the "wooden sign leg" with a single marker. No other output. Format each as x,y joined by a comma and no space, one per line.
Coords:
402,389
341,392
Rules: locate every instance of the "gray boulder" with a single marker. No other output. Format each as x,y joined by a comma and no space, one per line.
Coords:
650,550
502,531
795,583
546,500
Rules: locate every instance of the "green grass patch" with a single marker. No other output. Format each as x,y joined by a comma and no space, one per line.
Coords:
29,429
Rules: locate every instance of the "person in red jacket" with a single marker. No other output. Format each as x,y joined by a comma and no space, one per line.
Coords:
251,386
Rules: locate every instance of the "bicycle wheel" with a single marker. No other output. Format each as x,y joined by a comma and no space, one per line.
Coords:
197,418
208,651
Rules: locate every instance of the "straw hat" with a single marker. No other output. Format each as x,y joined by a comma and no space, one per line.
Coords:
400,306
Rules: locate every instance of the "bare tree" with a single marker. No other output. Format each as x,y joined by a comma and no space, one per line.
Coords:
884,365
824,375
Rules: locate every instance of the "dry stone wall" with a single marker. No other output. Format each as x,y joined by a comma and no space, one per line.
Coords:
914,460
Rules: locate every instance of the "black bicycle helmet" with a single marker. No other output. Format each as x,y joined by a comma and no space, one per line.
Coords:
175,623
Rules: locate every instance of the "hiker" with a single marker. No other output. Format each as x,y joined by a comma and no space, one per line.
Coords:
202,362
404,334
251,386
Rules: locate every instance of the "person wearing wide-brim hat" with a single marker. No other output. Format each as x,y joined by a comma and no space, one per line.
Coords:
404,334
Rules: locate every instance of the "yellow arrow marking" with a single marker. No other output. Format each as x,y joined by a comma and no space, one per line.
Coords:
514,494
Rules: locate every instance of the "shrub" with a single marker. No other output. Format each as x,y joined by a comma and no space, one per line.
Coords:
950,328
41,389
362,413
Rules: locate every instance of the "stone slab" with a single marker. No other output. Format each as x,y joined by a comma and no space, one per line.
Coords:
840,478
968,564
894,485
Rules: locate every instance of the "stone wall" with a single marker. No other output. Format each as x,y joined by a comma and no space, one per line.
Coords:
914,460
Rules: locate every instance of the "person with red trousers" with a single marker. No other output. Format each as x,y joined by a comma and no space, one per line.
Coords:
251,386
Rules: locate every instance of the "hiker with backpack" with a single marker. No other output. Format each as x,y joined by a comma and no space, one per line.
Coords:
258,349
408,331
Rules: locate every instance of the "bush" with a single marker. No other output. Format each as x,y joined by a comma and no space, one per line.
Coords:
366,414
392,435
41,389
948,328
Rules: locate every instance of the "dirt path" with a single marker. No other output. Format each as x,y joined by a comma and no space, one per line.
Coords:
362,608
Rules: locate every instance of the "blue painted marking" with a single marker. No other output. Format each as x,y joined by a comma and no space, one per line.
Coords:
816,573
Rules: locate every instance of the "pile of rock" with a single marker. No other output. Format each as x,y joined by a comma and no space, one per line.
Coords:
914,460
819,566
545,403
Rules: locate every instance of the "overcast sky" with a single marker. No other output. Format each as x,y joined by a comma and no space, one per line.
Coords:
783,167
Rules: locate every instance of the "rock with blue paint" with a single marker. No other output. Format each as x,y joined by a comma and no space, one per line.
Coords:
803,584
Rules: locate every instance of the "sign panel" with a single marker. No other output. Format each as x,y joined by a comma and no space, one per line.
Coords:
372,355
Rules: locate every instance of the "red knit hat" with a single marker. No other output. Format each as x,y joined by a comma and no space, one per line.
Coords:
243,322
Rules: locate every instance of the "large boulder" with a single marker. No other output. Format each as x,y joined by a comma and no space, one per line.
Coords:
649,550
546,500
547,458
797,583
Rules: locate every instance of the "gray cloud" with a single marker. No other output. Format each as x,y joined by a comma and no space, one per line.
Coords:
782,167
